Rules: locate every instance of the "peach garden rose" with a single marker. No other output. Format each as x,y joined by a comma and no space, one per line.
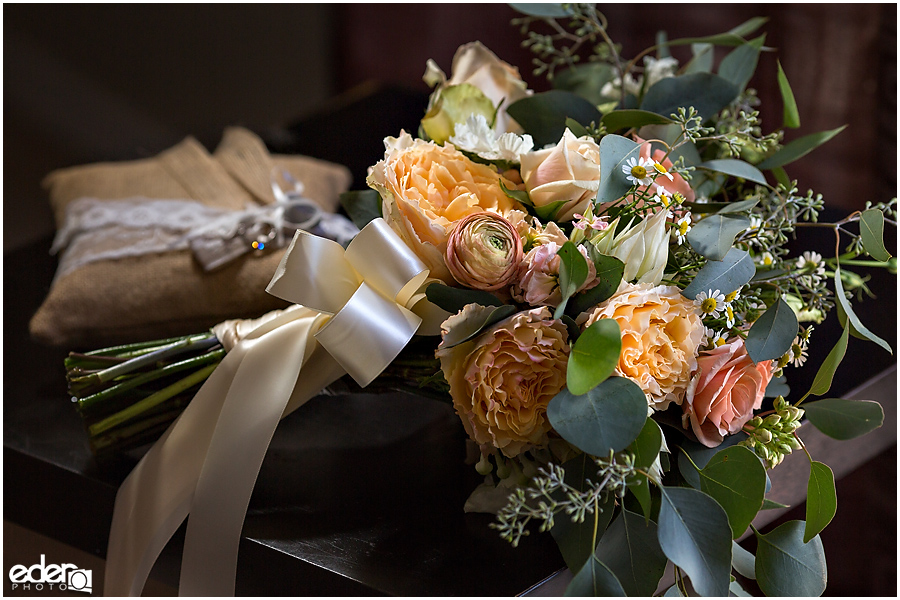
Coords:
502,381
426,189
724,392
661,334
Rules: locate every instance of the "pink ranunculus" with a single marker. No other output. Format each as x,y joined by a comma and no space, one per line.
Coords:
677,184
723,394
484,252
538,284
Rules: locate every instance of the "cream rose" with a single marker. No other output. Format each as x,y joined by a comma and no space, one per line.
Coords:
427,188
502,381
724,392
661,334
484,251
568,173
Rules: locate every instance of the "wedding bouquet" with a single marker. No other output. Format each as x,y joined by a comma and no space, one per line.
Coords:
618,306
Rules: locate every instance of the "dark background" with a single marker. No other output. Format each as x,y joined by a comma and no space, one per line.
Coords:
113,82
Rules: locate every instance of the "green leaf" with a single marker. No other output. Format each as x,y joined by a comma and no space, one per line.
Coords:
781,177
454,299
851,316
786,566
713,236
726,275
735,589
575,127
773,333
614,151
798,148
739,65
736,479
594,579
673,592
609,417
821,500
777,387
694,534
645,449
735,168
630,548
548,10
573,271
743,561
871,228
791,114
822,383
706,92
362,206
520,196
594,356
586,80
844,419
576,541
544,115
749,26
702,59
481,318
627,118
721,207
609,274
771,505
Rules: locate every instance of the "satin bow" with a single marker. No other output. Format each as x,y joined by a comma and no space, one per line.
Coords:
356,311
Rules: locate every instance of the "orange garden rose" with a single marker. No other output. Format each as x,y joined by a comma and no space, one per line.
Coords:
724,392
502,381
661,334
427,188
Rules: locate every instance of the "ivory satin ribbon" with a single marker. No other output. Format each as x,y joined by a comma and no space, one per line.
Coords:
355,311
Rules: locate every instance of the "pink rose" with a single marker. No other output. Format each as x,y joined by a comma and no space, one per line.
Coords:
484,251
539,283
677,183
724,392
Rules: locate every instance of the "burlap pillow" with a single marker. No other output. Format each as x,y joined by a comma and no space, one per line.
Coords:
163,295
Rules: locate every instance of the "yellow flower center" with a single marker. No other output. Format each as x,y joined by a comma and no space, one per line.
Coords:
767,260
659,168
638,171
683,227
708,305
796,350
730,313
730,297
719,342
665,199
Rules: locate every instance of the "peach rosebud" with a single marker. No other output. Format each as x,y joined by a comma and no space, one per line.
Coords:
661,334
538,284
568,173
426,189
484,251
677,183
502,381
724,392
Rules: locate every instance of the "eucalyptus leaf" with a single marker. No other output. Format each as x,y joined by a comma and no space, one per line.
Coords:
362,206
594,579
749,26
577,129
791,114
609,275
735,168
773,333
735,589
731,273
630,549
586,80
824,376
713,236
609,417
821,500
786,566
544,115
627,118
772,505
645,448
871,228
614,152
777,387
781,177
721,207
694,534
743,561
454,299
544,10
706,92
673,592
844,419
736,479
594,356
576,540
702,59
480,319
739,65
573,271
844,304
798,148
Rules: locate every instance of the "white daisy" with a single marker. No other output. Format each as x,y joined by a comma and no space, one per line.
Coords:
637,170
729,316
710,303
659,168
729,298
798,352
714,338
662,196
766,259
682,226
811,261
